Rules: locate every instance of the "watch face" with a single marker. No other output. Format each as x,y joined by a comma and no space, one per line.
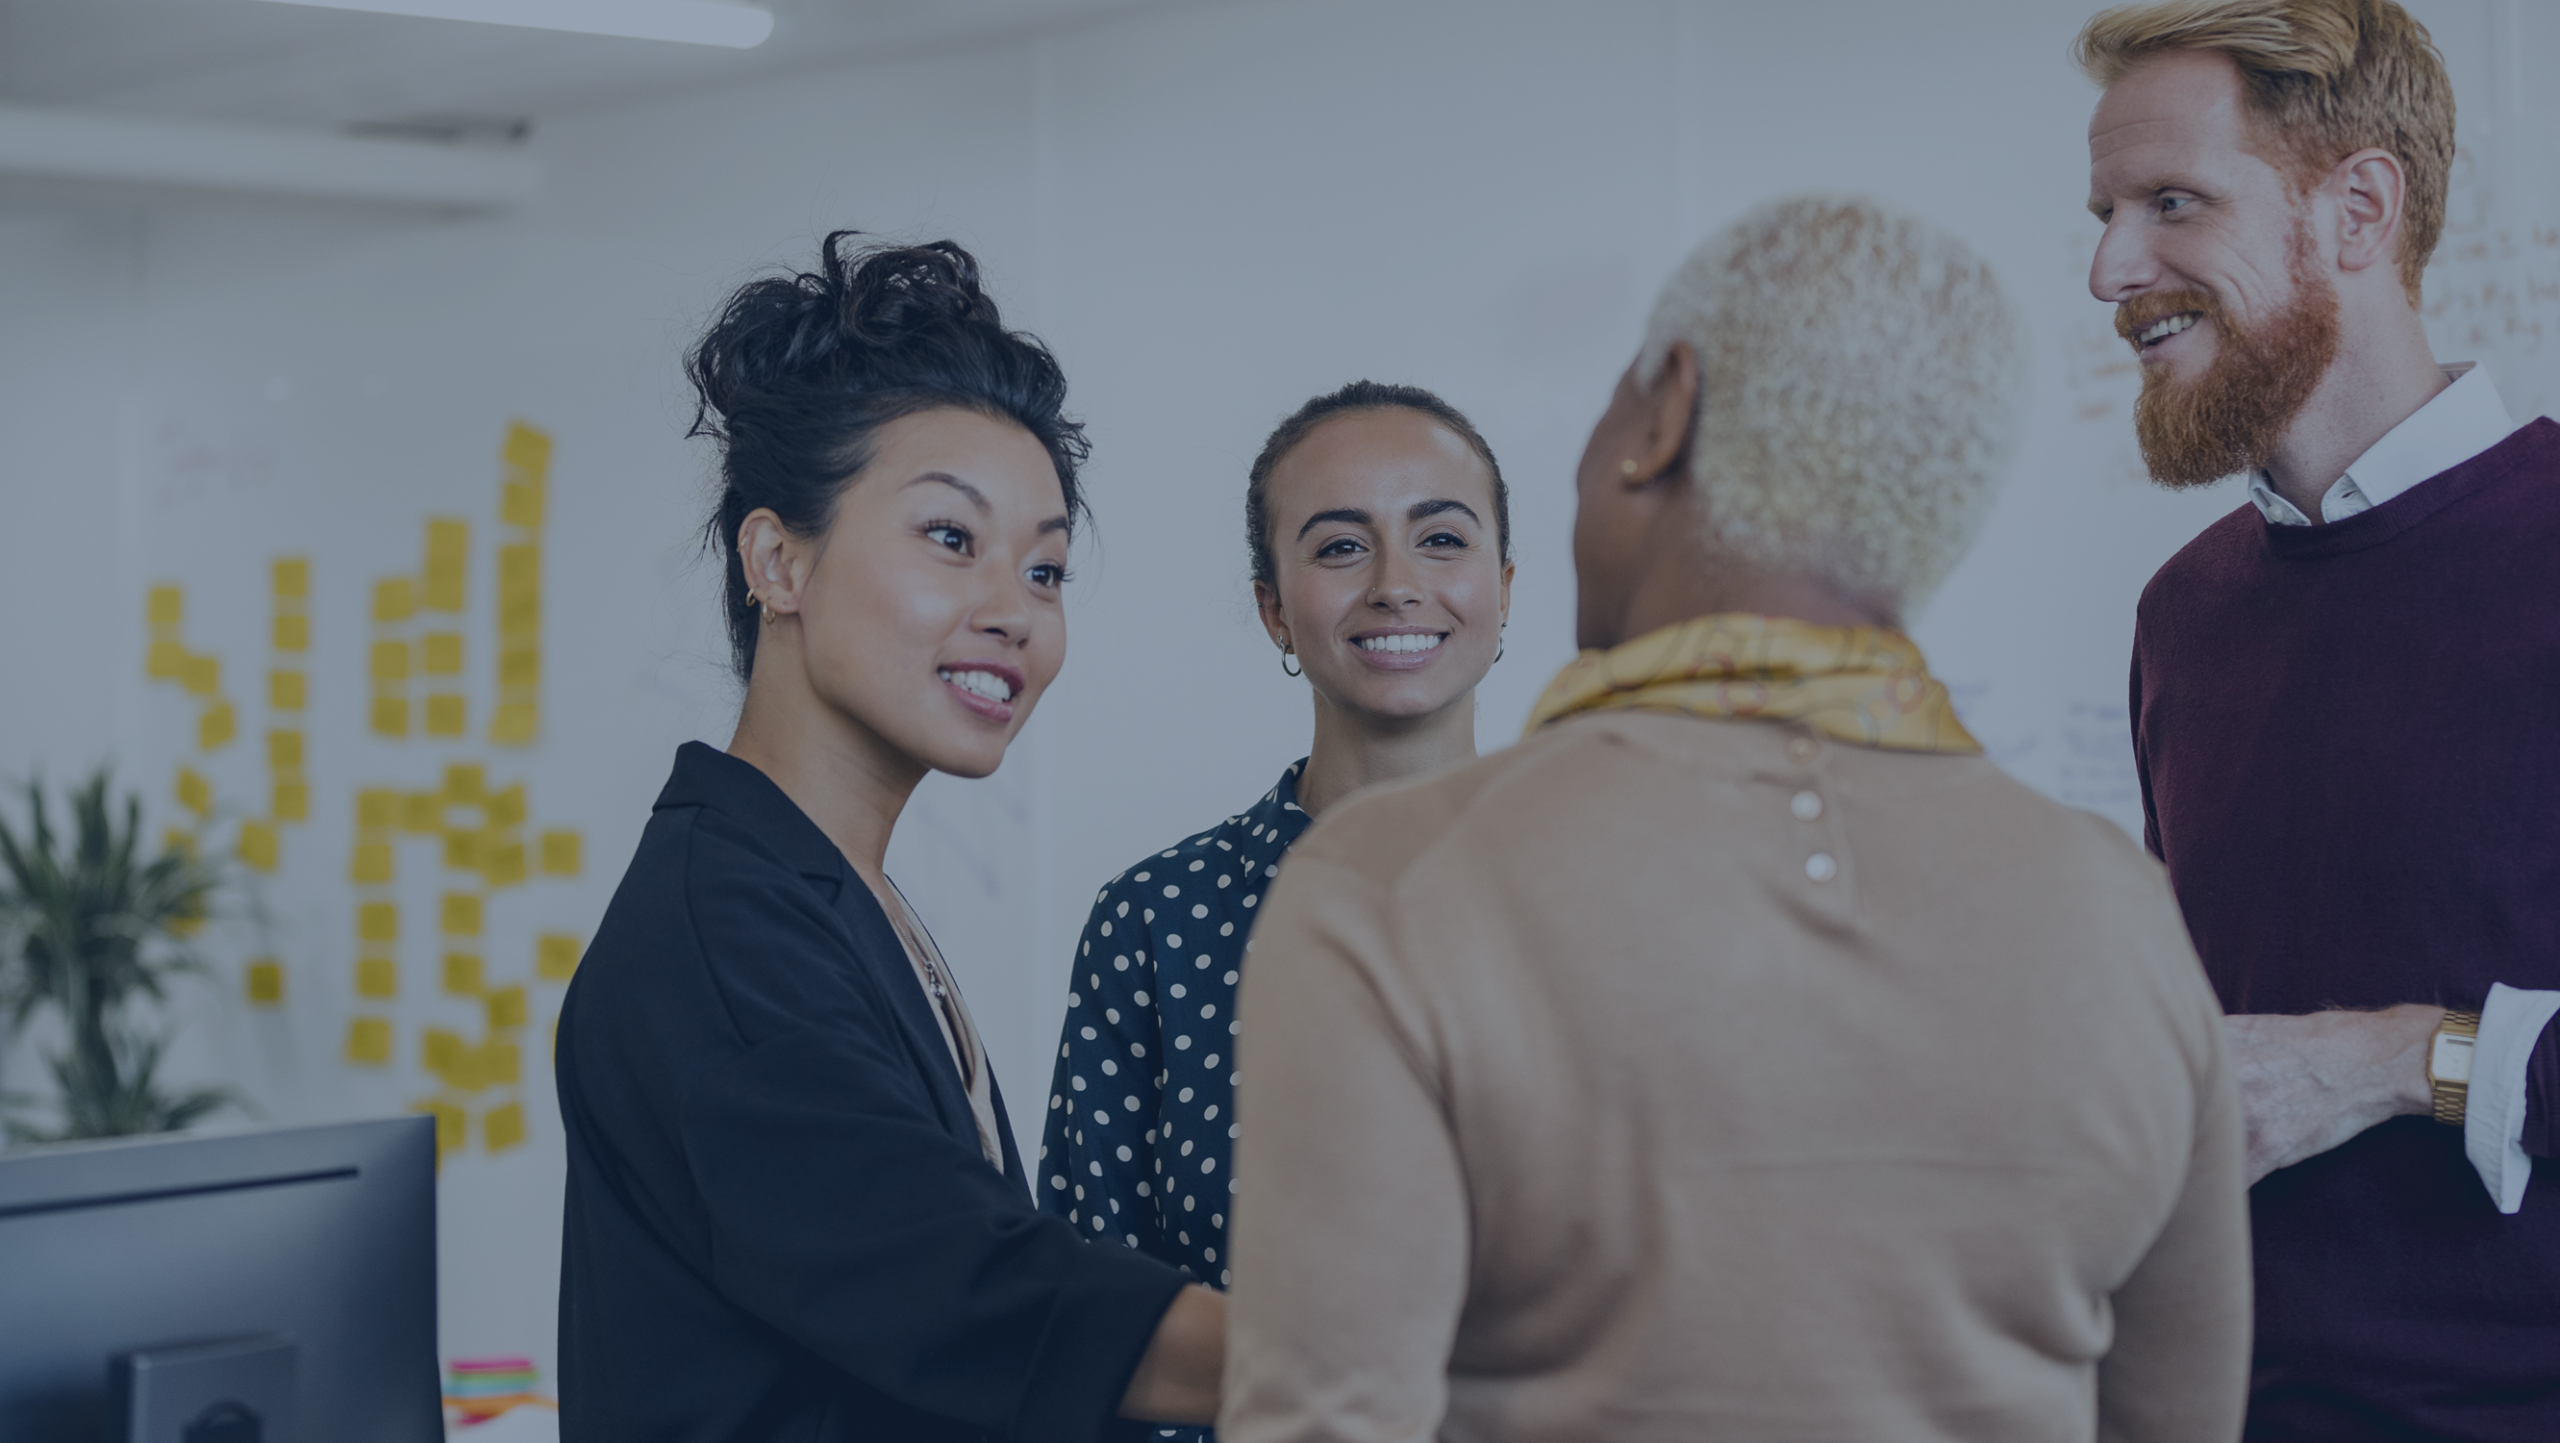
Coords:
2451,1060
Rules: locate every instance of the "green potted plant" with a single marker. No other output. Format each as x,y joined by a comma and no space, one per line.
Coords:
89,927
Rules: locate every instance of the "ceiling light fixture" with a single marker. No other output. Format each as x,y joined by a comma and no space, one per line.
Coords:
691,22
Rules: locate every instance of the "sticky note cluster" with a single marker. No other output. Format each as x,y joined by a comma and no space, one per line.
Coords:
525,458
199,674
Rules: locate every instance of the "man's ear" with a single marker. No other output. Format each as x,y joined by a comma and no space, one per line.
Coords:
1670,412
2370,189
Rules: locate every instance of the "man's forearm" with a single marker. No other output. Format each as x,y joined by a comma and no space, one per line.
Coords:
2310,1083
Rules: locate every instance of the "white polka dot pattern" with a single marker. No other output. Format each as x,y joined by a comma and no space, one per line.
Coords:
1144,1157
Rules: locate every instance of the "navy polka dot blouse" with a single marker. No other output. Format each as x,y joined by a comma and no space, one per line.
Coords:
1142,1110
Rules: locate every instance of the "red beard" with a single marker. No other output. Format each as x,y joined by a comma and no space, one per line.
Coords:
2229,419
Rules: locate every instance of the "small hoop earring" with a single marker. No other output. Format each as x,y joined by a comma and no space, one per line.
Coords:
1285,654
1498,649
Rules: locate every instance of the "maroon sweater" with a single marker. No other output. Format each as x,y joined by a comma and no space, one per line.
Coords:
2349,744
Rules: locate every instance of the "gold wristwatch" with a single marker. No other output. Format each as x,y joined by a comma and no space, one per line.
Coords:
2449,1065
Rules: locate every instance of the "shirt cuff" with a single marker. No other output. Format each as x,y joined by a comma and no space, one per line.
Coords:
2511,1022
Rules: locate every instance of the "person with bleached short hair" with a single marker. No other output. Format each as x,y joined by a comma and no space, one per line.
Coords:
1742,1055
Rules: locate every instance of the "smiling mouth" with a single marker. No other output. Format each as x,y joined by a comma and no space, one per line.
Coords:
979,683
2165,327
1403,642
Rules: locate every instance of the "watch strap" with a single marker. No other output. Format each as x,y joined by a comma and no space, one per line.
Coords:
2451,1098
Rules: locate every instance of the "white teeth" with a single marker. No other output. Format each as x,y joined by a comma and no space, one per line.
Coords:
979,683
1409,641
2164,327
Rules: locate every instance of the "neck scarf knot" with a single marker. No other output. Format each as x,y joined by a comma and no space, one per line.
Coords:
1859,684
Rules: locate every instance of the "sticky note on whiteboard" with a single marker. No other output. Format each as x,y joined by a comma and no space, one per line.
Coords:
377,977
563,852
504,1126
461,914
447,714
194,792
258,846
287,691
200,674
166,606
515,723
369,1041
556,956
507,1008
378,922
394,600
266,982
372,864
291,575
215,726
292,632
462,974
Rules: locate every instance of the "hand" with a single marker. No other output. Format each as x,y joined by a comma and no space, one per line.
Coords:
2310,1083
1177,1379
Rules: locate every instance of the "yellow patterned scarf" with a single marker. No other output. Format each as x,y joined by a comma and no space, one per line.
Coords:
1858,684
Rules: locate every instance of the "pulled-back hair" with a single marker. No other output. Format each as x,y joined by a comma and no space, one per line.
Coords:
1359,396
798,374
2321,79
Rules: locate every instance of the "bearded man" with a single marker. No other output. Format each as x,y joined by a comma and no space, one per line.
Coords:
2342,698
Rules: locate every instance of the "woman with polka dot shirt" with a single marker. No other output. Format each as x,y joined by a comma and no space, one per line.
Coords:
1380,535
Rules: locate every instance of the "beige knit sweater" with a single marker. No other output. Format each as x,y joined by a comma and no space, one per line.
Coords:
1669,1078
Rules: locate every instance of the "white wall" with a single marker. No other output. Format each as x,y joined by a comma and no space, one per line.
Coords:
1211,213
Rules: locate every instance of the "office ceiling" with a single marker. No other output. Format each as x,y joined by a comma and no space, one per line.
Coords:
251,60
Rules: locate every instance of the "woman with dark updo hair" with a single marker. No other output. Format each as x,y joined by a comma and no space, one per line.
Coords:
1377,532
794,1209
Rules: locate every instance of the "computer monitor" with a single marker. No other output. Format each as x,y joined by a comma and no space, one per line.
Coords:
324,1235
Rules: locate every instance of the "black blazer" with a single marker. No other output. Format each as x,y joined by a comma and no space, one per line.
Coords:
779,1224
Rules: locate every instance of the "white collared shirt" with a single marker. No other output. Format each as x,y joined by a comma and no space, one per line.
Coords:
2466,418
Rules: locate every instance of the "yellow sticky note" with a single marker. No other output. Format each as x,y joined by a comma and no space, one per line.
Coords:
562,853
507,1008
167,661
446,714
520,504
526,451
506,808
291,801
422,812
504,1126
462,974
200,674
520,664
520,617
292,575
178,840
555,956
443,591
369,1041
292,632
377,977
378,922
394,600
453,1126
461,914
284,750
377,807
502,863
440,653
166,606
215,726
462,849
390,661
266,982
501,1063
258,845
286,690
391,716
448,554
465,783
515,723
372,864
440,1051
194,792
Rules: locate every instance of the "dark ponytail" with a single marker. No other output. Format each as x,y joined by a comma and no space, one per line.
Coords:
800,372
